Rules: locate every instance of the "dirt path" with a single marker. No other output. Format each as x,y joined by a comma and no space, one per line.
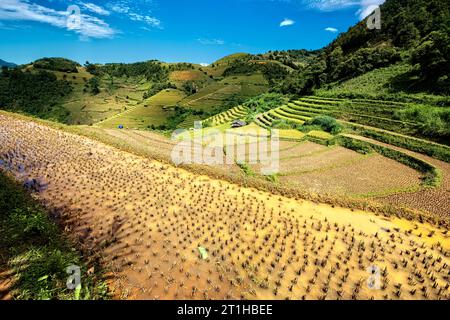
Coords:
145,222
436,201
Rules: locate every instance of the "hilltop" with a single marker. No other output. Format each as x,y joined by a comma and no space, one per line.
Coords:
4,63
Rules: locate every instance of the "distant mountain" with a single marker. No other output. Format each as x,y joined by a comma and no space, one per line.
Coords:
7,64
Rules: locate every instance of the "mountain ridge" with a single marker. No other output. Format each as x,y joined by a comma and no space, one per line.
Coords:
4,63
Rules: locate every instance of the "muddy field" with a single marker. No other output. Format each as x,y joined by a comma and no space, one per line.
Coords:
165,233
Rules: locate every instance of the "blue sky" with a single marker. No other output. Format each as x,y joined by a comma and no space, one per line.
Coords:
199,31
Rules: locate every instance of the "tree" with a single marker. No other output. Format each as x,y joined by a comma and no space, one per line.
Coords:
93,84
432,55
407,36
91,68
334,62
190,87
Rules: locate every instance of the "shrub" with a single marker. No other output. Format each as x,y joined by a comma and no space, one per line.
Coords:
326,123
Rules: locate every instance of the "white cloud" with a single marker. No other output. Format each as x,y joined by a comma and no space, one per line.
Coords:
136,11
330,29
120,8
204,64
211,41
287,22
95,9
22,10
331,5
366,7
152,21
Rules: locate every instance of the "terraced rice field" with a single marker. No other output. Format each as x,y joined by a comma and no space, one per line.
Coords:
375,177
432,200
359,176
235,113
145,221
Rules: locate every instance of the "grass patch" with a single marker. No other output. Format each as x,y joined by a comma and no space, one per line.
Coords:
33,248
246,169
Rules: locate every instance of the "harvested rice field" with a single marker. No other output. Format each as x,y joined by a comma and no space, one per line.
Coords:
364,175
166,233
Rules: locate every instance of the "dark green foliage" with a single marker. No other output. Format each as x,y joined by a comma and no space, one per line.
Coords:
56,64
38,94
364,60
157,87
151,70
296,84
33,247
432,57
180,114
93,86
264,102
355,145
360,50
397,16
326,123
294,59
285,124
91,68
190,87
182,66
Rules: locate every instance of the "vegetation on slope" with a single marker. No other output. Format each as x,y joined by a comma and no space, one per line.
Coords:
422,41
56,64
34,250
38,93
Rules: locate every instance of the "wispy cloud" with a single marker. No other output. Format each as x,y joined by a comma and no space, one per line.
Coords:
95,8
152,21
132,11
330,29
332,5
211,41
366,7
287,22
22,10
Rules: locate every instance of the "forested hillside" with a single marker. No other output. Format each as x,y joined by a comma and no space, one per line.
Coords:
39,93
412,31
